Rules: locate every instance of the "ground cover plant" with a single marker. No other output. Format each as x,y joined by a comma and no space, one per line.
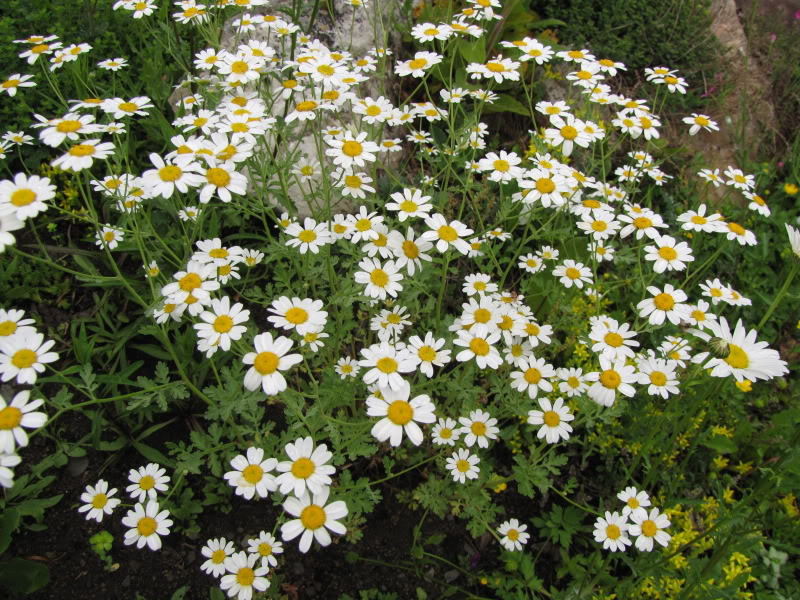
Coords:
324,309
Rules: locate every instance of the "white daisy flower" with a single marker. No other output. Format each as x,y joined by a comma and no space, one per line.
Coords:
265,546
314,519
252,474
633,499
310,236
16,417
346,367
479,427
447,234
243,576
445,432
380,279
553,420
147,525
514,535
98,501
306,468
146,482
533,376
614,377
573,382
429,352
216,551
386,363
647,527
23,356
666,304
463,465
612,531
268,360
478,343
400,414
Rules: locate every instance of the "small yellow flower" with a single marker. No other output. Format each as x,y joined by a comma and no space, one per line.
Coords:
745,385
789,503
791,189
722,430
500,488
743,467
484,581
720,462
727,495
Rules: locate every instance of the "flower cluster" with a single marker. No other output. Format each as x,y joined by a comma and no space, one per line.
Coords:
615,529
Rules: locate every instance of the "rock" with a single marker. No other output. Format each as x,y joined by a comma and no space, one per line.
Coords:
347,30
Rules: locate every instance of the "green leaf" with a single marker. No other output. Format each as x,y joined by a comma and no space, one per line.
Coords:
473,52
545,23
180,593
721,444
506,103
151,453
216,594
8,524
20,576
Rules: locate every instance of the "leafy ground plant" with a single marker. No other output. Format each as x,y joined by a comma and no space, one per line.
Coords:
341,299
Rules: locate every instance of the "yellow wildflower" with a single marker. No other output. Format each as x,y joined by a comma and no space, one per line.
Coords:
720,462
791,189
745,385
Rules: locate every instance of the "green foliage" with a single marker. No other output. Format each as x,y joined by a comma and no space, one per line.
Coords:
640,33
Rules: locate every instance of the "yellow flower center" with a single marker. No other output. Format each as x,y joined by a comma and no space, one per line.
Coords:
312,517
599,225
23,359
352,181
447,233
427,354
303,468
736,228
264,549
190,281
632,502
479,346
737,357
417,63
463,466
374,110
387,365
223,324
253,474
513,535
613,532
614,340
573,273
240,67
7,328
533,376
23,197
128,107
664,301
218,557
146,526
400,412
10,417
698,220
245,576
482,315
307,236
82,150
702,121
667,253
218,177
478,428
266,363
649,528
495,67
658,378
568,132
69,126
170,173
296,315
551,418
306,106
379,277
574,382
610,379
545,185
99,501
